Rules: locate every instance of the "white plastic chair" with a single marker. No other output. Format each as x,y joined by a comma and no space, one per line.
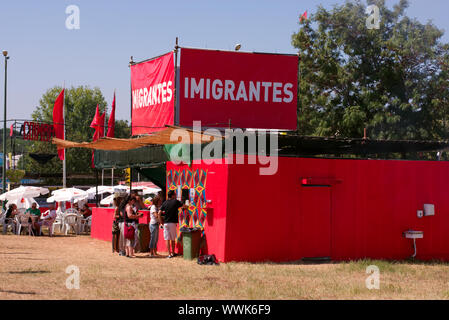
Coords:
23,222
47,221
86,223
59,221
71,211
72,220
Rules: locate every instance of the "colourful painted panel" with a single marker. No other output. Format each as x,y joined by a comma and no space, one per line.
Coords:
195,181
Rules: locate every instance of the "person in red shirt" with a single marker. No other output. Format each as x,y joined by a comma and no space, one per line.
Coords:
86,212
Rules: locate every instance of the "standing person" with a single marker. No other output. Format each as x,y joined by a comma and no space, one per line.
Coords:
154,225
35,214
132,220
118,218
169,212
139,201
121,223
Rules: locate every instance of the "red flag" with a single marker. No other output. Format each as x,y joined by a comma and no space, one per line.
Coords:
58,120
111,122
98,124
11,130
303,17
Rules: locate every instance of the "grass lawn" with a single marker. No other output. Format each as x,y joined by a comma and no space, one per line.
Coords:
35,268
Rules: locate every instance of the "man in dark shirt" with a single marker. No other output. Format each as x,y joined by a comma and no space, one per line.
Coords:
169,212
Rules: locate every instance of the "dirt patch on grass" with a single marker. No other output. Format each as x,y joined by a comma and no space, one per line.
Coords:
35,268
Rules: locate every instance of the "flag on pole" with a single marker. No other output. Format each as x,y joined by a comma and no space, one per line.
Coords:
303,17
111,122
58,121
98,124
11,130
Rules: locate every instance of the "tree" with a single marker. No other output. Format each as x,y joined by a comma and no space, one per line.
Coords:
80,105
391,80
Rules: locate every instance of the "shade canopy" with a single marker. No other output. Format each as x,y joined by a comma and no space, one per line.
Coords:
170,135
68,194
23,192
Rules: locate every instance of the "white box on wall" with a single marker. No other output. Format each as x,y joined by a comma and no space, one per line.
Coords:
429,210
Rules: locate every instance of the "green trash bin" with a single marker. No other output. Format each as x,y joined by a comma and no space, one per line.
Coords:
191,241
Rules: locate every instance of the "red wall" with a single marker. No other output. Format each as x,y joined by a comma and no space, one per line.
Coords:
272,217
101,227
363,214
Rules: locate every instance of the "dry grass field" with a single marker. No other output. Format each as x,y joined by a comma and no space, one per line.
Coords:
35,268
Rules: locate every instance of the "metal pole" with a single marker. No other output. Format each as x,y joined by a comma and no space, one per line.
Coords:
96,187
112,177
64,169
176,120
130,179
14,146
5,54
102,177
131,62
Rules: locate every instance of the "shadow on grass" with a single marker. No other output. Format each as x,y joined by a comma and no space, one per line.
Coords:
17,292
360,262
15,252
29,272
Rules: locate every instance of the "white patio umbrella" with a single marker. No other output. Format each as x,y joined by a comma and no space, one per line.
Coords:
149,190
101,189
108,201
23,192
68,194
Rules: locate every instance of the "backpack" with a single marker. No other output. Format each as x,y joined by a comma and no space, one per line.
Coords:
208,259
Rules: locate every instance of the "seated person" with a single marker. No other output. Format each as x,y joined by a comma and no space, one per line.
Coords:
10,215
51,215
49,218
86,212
35,215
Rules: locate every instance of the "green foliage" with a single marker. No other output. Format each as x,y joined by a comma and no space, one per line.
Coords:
393,81
80,106
15,176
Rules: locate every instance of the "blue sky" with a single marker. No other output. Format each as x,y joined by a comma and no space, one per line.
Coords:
44,53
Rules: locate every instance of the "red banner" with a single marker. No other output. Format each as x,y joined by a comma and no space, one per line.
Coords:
245,90
153,84
38,131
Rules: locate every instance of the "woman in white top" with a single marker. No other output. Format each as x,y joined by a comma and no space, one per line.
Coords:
154,225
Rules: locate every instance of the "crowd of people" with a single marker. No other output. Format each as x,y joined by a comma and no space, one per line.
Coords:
34,217
37,219
163,215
